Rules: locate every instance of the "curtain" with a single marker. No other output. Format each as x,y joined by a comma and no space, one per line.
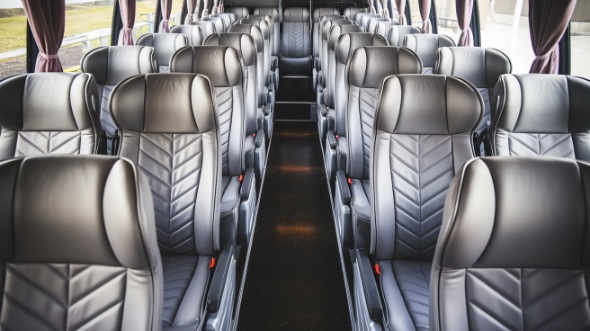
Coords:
548,20
425,15
205,8
47,20
464,9
190,6
214,9
127,8
401,9
166,8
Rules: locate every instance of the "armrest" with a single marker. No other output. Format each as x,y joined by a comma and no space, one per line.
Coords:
368,285
345,194
331,138
247,182
274,63
219,279
259,138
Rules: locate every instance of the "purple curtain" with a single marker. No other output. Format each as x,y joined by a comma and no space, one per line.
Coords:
425,15
47,20
166,7
190,6
127,8
401,9
464,9
548,20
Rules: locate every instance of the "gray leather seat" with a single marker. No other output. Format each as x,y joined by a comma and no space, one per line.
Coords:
316,35
109,66
221,64
368,67
217,21
481,67
426,46
422,138
396,34
317,47
351,12
364,20
543,115
513,251
295,57
255,141
194,33
228,19
334,151
383,29
50,113
170,132
164,44
274,58
207,28
373,22
274,14
240,12
78,246
265,96
262,23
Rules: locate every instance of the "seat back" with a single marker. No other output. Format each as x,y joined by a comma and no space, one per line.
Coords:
326,26
240,12
318,37
266,36
111,65
396,33
295,41
368,67
373,22
49,113
358,17
426,46
422,138
480,66
228,19
335,32
271,26
351,12
207,28
170,132
194,33
383,29
256,34
274,14
217,21
513,249
164,44
364,23
346,44
221,64
77,246
541,115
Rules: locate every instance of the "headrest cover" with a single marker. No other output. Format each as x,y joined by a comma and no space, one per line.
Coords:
164,103
426,45
480,66
193,32
370,65
337,30
261,23
296,14
397,33
318,12
74,209
428,104
49,102
220,63
252,30
349,42
242,42
111,64
517,212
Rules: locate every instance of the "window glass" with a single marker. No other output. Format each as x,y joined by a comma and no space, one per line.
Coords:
415,11
176,13
505,26
447,19
580,39
13,38
145,13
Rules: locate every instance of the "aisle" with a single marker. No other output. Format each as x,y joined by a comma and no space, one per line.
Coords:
294,279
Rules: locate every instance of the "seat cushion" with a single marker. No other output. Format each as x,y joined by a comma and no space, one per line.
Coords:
185,283
405,286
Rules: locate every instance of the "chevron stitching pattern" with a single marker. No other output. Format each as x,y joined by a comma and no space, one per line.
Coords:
367,104
172,163
531,144
225,107
527,299
422,169
178,273
106,119
413,279
296,39
63,297
31,143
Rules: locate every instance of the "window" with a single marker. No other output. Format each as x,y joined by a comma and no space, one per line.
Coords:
446,15
580,39
415,11
145,13
13,38
505,26
176,12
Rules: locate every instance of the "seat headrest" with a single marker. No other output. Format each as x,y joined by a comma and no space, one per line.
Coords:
480,66
217,21
207,27
397,33
221,64
240,12
267,18
330,17
426,45
252,30
296,14
242,42
373,22
111,64
535,103
272,11
164,103
370,65
348,42
337,30
327,25
319,12
261,23
193,33
428,104
49,102
517,212
75,209
383,27
164,44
